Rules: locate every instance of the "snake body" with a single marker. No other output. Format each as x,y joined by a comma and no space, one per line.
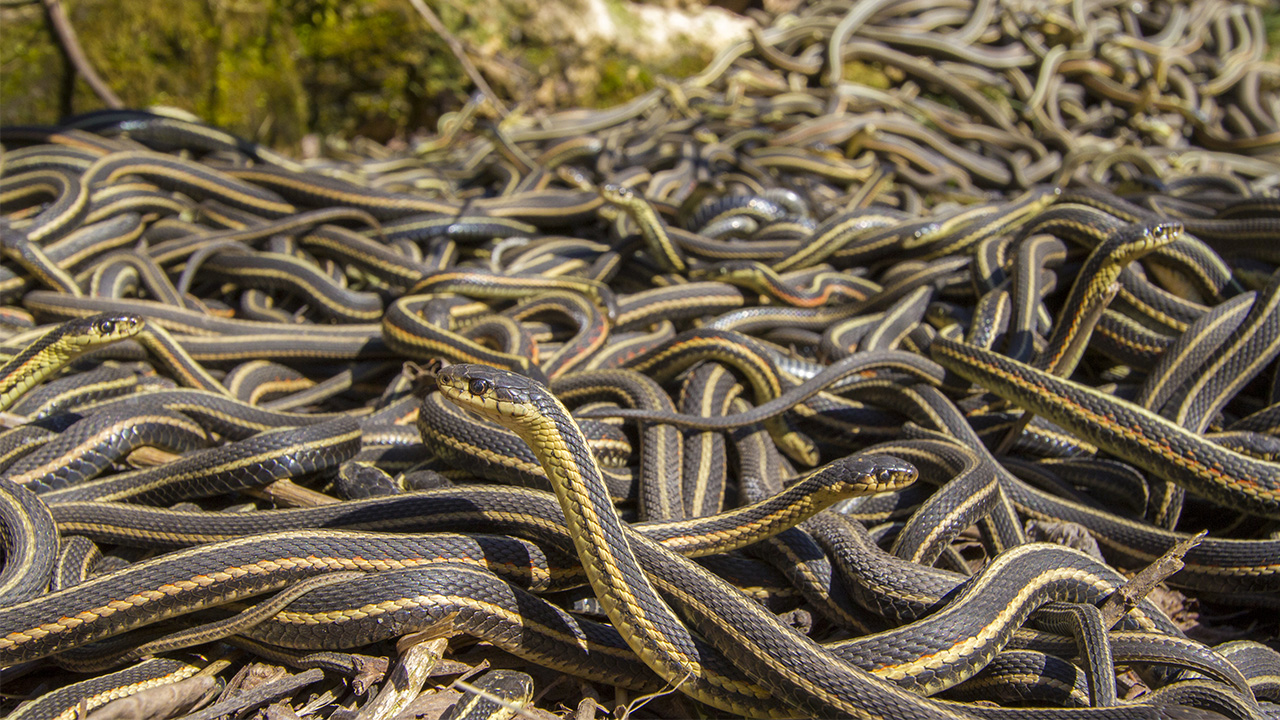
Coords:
259,408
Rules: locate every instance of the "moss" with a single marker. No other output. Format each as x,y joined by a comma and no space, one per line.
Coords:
868,74
370,68
1000,98
276,70
30,69
152,54
620,13
541,59
621,79
257,81
683,66
943,99
1271,19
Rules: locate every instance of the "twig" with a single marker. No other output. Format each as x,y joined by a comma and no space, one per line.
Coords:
643,700
1131,593
259,696
455,45
70,46
286,493
406,680
163,701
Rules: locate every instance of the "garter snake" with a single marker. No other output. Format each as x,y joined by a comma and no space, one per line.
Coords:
777,156
30,543
59,346
71,701
498,695
218,573
808,677
238,559
510,510
805,675
657,241
1123,429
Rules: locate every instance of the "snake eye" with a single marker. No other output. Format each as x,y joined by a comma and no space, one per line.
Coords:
480,386
106,327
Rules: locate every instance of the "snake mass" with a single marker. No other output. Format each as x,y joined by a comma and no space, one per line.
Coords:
912,361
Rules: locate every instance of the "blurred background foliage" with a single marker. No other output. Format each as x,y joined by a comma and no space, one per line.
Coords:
277,70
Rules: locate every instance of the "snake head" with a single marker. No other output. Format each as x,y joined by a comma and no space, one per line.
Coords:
889,472
1165,232
721,270
614,193
864,474
574,177
496,394
106,328
749,269
858,475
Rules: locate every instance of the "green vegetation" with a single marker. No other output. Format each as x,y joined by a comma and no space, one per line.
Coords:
621,79
276,70
1271,18
871,74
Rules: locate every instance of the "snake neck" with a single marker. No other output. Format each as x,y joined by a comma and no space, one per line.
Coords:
613,571
572,470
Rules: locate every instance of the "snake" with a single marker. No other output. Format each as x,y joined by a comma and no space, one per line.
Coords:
768,265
